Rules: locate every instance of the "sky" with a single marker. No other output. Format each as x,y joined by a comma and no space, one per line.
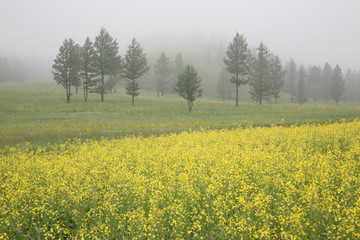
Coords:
311,32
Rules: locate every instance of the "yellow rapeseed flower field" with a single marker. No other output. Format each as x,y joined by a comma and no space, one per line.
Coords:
260,183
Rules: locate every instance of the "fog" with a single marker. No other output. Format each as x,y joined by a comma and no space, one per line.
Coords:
311,32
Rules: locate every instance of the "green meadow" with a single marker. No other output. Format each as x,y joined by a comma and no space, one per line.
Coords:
37,113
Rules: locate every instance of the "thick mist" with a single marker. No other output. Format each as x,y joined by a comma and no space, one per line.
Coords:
311,32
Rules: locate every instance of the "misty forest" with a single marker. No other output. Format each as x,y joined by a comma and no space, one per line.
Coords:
179,119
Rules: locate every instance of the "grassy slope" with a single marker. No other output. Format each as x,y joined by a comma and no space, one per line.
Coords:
37,113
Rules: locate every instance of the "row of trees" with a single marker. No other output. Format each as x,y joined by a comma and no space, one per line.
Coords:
262,70
89,64
314,82
267,78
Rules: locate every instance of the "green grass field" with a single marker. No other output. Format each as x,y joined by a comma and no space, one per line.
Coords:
37,113
76,171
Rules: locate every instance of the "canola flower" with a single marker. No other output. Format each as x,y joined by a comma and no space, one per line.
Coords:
260,183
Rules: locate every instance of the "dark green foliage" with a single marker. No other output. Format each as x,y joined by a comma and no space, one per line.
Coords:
301,88
88,70
337,84
67,66
163,70
188,85
134,66
261,76
277,78
107,61
237,62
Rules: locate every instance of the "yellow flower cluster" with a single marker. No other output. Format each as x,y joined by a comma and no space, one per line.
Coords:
260,183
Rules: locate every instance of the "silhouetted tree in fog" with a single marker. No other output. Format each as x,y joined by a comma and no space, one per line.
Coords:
224,86
163,70
134,66
314,85
337,85
301,87
291,80
326,74
178,67
277,77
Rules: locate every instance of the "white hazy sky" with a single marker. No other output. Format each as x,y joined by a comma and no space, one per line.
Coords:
309,31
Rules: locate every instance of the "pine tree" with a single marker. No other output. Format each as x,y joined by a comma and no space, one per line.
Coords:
134,66
261,76
107,61
188,85
277,77
88,71
67,66
337,84
163,70
237,62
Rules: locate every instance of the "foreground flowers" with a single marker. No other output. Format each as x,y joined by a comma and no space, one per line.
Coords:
287,183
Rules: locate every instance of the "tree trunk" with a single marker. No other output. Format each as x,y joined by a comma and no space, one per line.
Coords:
133,92
260,99
190,105
237,95
68,94
102,87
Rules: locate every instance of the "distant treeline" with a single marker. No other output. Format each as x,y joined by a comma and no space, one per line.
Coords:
302,84
12,70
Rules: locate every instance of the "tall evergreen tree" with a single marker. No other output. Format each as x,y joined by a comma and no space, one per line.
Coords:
237,62
163,70
261,76
67,66
277,78
337,84
301,87
134,66
88,71
326,74
291,79
188,85
107,61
